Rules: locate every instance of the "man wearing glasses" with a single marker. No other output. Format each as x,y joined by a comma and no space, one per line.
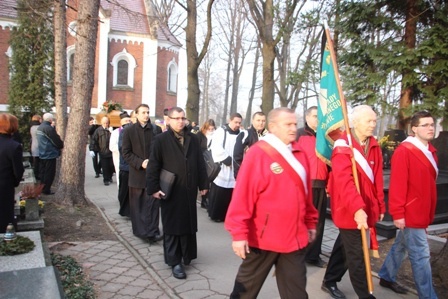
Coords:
412,204
178,151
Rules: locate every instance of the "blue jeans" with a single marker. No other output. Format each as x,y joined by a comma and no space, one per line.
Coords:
415,242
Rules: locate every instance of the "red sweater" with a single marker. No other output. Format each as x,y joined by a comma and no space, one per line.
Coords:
268,209
412,191
344,197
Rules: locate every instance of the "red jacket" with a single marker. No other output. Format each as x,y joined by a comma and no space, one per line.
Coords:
306,138
268,209
412,191
344,198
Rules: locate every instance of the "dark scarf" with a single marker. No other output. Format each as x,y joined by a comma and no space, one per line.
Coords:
179,136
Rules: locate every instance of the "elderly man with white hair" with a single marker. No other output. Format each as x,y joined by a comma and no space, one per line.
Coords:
50,146
352,209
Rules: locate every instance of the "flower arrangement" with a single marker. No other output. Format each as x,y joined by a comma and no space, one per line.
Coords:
39,202
110,106
31,191
383,141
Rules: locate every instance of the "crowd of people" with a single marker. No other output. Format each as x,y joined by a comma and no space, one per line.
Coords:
271,191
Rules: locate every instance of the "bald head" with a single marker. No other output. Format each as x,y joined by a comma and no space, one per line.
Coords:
282,122
105,122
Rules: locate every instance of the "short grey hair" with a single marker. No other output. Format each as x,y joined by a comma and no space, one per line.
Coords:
48,117
358,112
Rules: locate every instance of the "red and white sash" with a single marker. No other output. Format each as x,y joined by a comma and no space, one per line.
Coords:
422,153
361,161
282,154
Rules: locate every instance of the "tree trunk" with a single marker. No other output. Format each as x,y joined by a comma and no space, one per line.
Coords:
71,187
224,116
262,13
248,119
193,59
410,40
267,94
60,66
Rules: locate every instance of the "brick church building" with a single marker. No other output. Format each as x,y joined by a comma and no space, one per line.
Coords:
136,60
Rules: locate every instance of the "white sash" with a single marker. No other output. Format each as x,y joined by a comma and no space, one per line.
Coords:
285,151
359,158
424,150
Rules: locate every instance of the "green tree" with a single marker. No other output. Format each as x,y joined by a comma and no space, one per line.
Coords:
395,52
31,87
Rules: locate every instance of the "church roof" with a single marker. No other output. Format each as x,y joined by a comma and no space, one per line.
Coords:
7,8
131,16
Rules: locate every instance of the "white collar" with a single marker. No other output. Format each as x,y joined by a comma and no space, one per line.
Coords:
425,150
286,152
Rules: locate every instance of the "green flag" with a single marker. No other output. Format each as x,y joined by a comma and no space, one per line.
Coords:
329,109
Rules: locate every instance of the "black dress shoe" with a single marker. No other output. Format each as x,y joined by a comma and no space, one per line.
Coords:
48,193
332,290
97,176
155,239
393,286
178,272
106,183
319,263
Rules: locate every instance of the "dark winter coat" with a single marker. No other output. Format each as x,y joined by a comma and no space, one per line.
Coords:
50,144
100,142
11,172
135,149
179,216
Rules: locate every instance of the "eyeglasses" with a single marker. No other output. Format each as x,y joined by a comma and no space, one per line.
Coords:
426,125
178,118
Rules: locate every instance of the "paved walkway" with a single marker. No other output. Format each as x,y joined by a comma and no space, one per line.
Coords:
131,268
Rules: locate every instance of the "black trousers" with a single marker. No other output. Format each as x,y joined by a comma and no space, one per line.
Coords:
178,248
108,168
290,272
96,163
348,243
123,193
47,173
36,167
144,213
320,203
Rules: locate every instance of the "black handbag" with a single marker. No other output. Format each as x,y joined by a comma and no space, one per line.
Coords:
213,168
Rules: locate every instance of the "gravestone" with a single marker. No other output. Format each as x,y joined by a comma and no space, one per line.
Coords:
441,144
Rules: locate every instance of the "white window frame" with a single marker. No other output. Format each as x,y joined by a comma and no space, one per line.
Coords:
172,76
124,55
70,51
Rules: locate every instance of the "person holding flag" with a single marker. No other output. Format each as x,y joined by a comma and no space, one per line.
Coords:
352,209
356,180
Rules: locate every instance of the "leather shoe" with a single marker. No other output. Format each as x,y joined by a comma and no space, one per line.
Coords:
393,286
319,263
48,193
178,272
155,239
332,290
97,176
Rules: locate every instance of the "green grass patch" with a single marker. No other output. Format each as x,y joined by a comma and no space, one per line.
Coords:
74,281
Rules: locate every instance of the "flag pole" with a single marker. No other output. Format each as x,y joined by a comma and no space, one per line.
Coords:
349,138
